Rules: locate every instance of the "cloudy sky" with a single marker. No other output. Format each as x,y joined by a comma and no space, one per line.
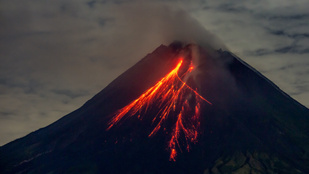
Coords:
55,55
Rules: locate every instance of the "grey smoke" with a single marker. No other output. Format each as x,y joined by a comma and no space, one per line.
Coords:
162,24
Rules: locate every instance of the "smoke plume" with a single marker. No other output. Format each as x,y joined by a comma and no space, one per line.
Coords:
158,23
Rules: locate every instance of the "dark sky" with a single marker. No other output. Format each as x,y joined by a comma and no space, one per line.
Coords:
55,55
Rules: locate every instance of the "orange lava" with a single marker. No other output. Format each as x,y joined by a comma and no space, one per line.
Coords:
173,97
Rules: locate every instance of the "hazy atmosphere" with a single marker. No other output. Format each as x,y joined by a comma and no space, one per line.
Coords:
55,55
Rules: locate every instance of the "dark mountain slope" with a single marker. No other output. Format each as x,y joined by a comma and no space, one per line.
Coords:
251,126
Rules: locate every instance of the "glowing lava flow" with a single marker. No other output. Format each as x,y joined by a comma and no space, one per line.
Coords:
173,97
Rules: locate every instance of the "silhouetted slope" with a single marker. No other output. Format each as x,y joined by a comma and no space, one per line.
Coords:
251,126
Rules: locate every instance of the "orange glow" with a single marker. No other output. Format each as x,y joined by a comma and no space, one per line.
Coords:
174,98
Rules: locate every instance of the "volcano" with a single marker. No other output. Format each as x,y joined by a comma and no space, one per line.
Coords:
181,109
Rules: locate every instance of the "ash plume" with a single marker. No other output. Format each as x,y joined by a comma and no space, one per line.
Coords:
152,24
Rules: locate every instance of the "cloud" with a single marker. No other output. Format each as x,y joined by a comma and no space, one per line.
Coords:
70,93
269,35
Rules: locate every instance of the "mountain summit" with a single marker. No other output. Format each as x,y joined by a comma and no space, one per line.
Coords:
181,109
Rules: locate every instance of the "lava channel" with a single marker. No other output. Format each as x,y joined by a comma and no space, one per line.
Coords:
174,97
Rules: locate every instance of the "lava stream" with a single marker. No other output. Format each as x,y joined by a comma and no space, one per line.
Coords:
172,95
